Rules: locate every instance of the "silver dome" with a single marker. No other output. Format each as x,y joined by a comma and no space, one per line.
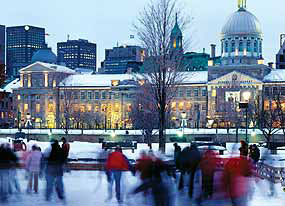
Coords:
242,22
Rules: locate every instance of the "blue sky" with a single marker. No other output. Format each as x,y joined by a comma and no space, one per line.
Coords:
107,22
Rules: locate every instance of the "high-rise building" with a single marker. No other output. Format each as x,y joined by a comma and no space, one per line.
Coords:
77,54
119,59
22,42
2,44
2,54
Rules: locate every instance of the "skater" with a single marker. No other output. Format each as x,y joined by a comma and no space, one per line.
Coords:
33,167
115,165
54,171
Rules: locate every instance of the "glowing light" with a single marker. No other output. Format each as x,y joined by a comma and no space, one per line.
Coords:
113,134
179,133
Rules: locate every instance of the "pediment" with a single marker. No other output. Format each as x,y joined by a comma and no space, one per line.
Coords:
235,78
36,67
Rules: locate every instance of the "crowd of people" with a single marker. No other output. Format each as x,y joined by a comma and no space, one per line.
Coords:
154,173
48,164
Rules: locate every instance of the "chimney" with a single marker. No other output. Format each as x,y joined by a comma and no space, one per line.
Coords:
213,50
270,64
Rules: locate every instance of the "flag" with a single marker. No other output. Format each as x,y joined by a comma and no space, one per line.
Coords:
132,36
47,34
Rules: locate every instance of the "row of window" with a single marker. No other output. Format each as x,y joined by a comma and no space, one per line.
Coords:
256,47
96,95
196,92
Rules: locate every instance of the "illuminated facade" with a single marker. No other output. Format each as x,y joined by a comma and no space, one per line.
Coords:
56,96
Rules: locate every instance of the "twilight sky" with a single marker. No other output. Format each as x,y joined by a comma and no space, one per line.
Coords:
107,22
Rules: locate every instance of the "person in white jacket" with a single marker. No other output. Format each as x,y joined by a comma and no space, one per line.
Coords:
33,166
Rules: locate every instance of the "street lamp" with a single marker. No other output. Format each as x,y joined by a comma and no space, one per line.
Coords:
244,105
184,121
28,125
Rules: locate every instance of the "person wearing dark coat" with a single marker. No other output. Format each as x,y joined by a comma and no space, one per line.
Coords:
54,172
188,161
254,153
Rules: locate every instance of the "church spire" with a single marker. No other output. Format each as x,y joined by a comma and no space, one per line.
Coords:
242,4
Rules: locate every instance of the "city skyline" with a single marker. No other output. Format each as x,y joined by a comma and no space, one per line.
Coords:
112,21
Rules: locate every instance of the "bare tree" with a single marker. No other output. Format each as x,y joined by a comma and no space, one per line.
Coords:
162,68
268,119
144,114
66,102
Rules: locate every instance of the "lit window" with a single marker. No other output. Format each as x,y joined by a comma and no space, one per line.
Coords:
19,97
173,106
117,107
82,108
89,107
174,43
54,83
214,93
26,107
181,106
38,108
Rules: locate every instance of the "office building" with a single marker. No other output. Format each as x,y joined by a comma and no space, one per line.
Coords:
77,54
22,43
120,59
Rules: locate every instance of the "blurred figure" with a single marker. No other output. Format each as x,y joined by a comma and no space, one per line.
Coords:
244,148
188,161
237,171
33,166
177,151
144,166
14,163
208,166
115,165
153,172
65,147
254,153
8,163
54,174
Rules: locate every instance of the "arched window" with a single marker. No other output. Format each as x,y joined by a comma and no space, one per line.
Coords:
240,46
233,46
255,46
248,47
260,46
226,46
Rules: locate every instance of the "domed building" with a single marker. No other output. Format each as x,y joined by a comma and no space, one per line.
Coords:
241,38
44,55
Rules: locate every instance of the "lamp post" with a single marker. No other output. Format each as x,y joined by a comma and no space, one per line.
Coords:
184,121
28,125
244,105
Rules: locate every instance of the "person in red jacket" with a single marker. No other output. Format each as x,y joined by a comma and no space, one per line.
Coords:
65,147
115,165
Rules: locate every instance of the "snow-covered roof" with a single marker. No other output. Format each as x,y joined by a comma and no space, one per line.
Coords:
99,80
12,85
276,75
199,77
102,80
54,67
